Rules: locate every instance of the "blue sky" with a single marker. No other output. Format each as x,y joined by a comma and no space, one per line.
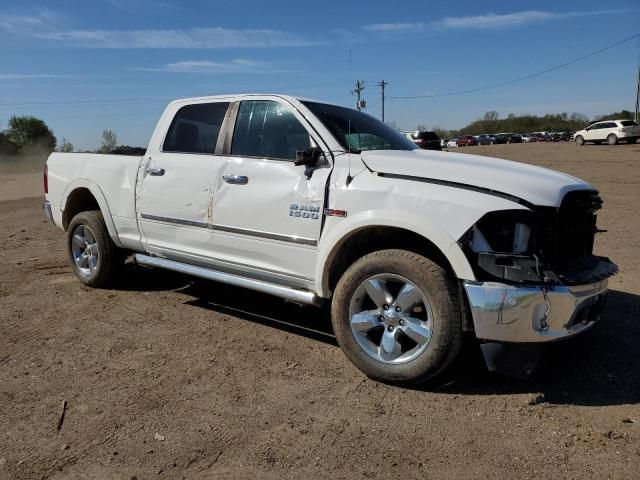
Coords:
85,66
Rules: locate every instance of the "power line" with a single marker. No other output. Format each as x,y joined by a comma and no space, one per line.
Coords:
525,77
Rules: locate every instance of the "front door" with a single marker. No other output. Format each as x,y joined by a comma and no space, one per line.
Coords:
175,193
267,213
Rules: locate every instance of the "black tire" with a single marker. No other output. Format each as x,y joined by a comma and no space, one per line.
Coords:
579,140
612,139
109,259
435,285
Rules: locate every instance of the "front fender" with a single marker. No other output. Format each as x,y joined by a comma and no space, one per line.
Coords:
342,229
98,194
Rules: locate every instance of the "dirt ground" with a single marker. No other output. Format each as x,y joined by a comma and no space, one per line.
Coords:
170,377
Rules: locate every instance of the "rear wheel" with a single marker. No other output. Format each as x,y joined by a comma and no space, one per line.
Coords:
94,257
395,315
580,140
612,139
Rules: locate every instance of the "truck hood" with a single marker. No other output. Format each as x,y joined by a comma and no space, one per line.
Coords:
536,185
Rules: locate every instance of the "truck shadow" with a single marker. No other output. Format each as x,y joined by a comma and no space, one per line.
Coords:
599,367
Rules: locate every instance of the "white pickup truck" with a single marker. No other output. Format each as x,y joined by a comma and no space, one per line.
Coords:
317,203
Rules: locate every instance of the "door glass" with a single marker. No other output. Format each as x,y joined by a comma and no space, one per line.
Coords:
195,128
268,129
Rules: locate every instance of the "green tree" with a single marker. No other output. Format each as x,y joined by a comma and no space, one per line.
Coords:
622,114
29,133
66,146
109,141
7,147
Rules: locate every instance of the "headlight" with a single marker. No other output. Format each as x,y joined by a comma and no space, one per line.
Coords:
499,247
501,232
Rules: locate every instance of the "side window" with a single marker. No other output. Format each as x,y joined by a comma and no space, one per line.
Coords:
195,128
268,129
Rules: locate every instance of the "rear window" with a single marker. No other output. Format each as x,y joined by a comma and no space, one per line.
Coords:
628,123
195,128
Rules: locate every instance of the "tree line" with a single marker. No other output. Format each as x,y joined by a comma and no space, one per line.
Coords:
28,135
551,122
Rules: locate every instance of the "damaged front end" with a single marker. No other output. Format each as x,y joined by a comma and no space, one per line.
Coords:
536,276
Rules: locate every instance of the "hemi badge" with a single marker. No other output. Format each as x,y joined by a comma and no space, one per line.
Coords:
332,212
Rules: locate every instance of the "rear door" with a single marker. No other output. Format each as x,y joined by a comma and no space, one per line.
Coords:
175,193
268,212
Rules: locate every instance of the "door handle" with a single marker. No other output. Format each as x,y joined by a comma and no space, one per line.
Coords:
236,179
156,172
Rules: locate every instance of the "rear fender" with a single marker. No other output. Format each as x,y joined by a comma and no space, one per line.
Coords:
97,193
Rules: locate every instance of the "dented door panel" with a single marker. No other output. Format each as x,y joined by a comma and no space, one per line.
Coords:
175,208
272,222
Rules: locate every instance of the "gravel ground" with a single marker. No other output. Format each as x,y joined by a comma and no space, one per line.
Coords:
169,377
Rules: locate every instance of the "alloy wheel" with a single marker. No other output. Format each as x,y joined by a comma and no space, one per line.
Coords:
391,318
84,249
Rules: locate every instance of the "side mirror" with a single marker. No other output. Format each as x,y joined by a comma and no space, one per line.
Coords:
308,156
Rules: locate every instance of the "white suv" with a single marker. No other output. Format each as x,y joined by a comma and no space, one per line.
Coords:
610,131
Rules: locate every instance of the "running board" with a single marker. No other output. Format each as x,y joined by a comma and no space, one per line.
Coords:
298,296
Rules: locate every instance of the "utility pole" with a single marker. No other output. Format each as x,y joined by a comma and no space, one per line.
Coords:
382,84
637,119
359,87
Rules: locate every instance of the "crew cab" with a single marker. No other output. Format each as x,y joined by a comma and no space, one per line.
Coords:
317,203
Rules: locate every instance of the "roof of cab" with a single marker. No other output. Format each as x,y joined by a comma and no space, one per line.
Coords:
245,95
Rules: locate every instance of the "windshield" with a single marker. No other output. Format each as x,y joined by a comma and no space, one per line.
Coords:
357,131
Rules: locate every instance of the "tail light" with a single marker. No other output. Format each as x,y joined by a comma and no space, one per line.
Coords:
46,178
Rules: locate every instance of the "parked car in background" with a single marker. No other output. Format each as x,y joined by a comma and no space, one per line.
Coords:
424,139
538,137
443,142
515,139
467,141
610,131
452,143
529,138
485,139
565,136
544,136
499,138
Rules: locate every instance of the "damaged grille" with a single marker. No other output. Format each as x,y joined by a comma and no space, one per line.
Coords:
566,236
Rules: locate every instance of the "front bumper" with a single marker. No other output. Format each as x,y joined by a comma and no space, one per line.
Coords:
516,313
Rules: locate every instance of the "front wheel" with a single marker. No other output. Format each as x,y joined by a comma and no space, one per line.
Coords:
94,257
612,139
580,140
396,316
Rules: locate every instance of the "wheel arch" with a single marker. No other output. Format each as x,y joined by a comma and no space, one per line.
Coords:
83,195
345,247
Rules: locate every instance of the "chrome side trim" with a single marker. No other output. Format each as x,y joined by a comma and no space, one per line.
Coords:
267,235
176,221
299,296
228,229
239,269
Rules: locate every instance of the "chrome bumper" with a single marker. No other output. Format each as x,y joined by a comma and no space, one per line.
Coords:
46,207
511,313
